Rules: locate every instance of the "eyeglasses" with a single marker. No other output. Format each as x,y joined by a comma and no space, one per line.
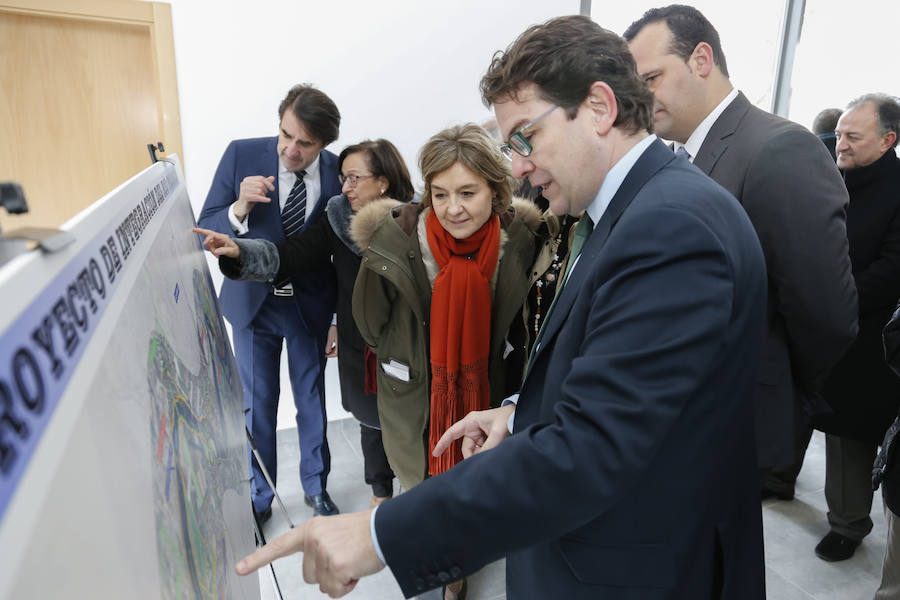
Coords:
353,179
518,143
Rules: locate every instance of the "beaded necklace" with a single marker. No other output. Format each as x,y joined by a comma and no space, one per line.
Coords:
545,286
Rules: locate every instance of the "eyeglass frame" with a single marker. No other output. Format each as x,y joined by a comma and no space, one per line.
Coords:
353,179
519,136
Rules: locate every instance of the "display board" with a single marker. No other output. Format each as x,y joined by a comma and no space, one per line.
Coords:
123,466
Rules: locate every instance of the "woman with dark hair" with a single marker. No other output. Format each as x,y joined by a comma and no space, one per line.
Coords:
369,170
439,299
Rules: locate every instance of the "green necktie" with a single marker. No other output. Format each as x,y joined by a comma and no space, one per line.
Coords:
582,232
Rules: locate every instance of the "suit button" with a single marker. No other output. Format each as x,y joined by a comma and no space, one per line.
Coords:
420,583
444,576
432,581
455,572
412,254
384,267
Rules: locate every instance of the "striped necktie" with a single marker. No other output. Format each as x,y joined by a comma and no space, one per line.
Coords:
294,213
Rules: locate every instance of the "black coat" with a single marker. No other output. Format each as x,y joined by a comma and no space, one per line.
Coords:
887,466
862,390
328,241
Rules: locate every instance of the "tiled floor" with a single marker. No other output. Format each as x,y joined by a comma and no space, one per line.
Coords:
791,529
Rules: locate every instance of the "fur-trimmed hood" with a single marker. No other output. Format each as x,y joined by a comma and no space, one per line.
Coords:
528,213
369,218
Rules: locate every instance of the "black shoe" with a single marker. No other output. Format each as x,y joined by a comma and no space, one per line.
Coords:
321,504
835,547
768,493
262,517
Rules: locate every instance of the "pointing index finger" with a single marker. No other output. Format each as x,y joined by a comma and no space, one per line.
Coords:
456,431
289,543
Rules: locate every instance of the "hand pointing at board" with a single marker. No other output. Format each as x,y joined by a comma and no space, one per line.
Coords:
218,244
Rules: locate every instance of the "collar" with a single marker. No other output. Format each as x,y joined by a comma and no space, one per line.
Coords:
862,176
693,143
311,171
615,177
339,214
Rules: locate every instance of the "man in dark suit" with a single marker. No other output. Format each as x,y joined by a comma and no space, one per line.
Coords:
862,390
630,472
272,188
793,194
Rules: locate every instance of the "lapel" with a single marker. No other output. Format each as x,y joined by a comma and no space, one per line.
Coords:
716,142
655,157
266,219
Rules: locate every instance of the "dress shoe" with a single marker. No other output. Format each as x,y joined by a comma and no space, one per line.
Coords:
768,493
262,517
835,547
321,504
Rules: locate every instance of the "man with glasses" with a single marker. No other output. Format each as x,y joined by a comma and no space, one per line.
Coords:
273,188
630,470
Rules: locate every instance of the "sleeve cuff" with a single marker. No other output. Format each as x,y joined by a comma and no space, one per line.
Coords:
238,227
514,400
375,536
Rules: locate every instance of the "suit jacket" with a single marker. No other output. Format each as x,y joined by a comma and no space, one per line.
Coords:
631,471
314,291
792,191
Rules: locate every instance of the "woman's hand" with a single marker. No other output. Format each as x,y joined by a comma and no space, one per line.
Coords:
218,244
331,344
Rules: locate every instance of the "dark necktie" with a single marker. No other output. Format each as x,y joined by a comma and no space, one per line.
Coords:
294,213
579,236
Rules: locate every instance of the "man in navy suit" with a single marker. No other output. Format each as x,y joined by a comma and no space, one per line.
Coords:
272,188
631,470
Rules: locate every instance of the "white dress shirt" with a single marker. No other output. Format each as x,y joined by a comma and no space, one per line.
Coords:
286,181
693,143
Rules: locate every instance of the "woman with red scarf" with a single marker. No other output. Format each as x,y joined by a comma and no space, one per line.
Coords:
439,298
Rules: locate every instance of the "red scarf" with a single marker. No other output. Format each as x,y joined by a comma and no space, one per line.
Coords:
460,329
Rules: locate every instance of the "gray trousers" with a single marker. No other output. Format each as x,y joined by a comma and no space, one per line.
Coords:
848,482
848,485
890,569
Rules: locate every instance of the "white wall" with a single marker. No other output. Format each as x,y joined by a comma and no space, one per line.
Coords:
398,69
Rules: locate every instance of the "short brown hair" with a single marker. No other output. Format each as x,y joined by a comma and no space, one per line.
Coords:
688,27
826,121
384,161
313,108
564,57
474,148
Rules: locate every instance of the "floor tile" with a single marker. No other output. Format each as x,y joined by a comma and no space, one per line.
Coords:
791,530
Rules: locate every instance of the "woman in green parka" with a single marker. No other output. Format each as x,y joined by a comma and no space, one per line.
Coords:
439,298
467,194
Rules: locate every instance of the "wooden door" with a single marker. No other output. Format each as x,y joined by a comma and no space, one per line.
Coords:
84,87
